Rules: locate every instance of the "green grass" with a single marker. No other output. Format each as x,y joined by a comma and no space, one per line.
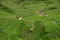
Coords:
11,25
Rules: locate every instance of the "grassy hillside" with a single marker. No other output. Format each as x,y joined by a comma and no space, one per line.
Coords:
29,19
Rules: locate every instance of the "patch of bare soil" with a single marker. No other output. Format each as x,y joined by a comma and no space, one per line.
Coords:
41,12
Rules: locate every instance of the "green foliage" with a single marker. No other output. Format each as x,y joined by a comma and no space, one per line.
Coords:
52,8
20,29
2,7
4,35
19,1
48,2
46,37
23,29
55,33
39,29
13,37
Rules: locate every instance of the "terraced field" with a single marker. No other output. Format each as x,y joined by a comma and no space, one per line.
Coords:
30,20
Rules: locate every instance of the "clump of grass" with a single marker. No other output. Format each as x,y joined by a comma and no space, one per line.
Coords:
2,7
48,2
24,7
52,8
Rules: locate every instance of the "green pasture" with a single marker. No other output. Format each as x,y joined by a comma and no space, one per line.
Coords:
13,29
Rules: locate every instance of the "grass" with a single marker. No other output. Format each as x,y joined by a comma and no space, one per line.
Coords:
11,25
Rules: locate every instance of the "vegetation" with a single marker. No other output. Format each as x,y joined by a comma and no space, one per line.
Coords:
39,30
39,20
2,7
